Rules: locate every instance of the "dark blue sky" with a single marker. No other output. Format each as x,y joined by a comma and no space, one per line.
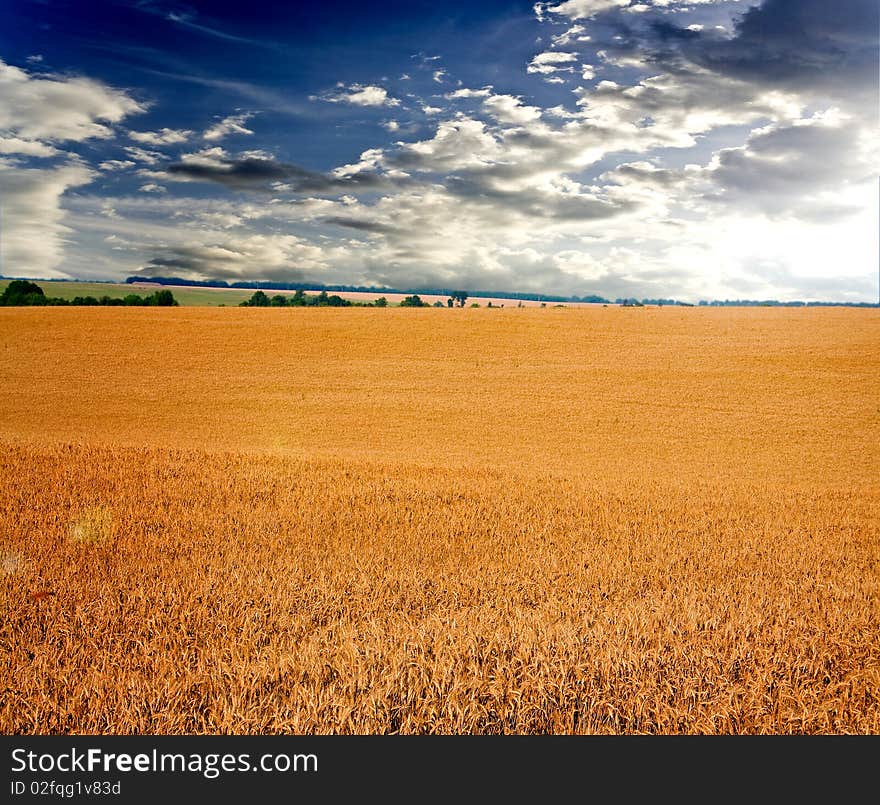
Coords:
710,148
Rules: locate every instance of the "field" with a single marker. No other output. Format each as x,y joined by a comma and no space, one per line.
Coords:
193,296
186,296
598,520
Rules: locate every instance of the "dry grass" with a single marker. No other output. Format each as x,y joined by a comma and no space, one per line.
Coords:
378,521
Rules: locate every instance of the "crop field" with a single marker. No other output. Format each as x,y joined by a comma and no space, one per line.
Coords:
315,520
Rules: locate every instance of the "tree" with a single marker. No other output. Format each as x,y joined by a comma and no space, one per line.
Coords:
279,300
381,302
413,301
259,299
23,292
438,303
450,302
163,298
460,297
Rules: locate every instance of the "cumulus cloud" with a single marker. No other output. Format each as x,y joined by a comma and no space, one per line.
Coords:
578,9
42,107
803,169
359,95
32,148
162,137
799,45
552,61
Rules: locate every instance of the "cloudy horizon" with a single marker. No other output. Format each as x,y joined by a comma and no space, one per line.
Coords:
691,150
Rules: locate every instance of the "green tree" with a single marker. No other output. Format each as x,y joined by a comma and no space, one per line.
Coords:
460,297
381,302
413,301
23,292
279,300
258,299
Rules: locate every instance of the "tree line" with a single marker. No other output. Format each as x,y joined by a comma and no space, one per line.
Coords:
301,299
21,293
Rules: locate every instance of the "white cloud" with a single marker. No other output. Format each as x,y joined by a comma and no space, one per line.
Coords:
142,155
576,33
359,95
32,148
552,61
162,137
153,188
579,9
510,109
233,124
40,107
485,92
116,164
34,233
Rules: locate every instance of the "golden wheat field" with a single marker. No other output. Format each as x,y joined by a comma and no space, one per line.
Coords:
597,520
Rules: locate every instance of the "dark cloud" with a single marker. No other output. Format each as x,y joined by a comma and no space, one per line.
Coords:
797,45
212,262
790,169
531,202
253,173
362,226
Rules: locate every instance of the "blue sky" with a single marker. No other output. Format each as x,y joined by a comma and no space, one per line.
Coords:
702,149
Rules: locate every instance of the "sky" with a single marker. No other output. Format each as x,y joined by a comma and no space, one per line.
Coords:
687,149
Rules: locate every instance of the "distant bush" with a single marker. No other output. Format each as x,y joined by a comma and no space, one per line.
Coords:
413,301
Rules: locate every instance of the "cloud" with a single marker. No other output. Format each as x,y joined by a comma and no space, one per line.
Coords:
799,45
510,109
162,137
153,188
359,95
40,107
257,170
116,164
267,257
142,155
804,169
32,148
578,9
550,61
485,92
34,233
233,124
